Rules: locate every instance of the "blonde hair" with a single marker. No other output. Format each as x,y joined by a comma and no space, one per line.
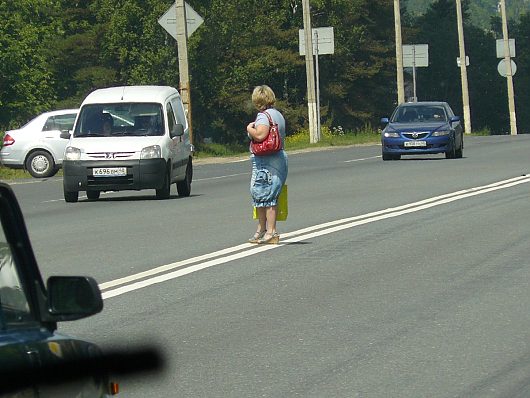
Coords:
263,97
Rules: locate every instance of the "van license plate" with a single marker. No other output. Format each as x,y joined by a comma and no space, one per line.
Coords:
415,144
109,171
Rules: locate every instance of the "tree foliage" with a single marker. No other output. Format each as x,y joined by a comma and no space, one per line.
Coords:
54,52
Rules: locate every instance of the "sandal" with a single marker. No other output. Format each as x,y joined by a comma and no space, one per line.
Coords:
257,237
271,239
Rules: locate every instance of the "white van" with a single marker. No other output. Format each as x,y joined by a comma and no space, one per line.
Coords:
129,138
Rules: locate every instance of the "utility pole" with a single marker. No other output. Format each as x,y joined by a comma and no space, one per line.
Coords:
463,68
182,47
508,64
399,53
314,134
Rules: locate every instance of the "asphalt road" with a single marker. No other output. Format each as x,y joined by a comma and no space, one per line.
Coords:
393,279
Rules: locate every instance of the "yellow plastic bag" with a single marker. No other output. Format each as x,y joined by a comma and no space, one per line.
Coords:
283,209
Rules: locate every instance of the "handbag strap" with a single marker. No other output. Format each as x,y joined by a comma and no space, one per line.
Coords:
271,122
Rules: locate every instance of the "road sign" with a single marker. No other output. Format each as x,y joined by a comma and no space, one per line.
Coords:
458,61
500,47
169,20
501,67
416,55
325,42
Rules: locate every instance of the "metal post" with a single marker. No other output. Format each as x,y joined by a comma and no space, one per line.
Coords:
182,46
317,84
463,68
310,72
399,54
414,71
508,64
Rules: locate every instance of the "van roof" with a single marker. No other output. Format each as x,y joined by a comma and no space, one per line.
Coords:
157,94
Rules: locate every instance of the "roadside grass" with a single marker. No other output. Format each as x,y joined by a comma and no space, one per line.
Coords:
335,136
13,174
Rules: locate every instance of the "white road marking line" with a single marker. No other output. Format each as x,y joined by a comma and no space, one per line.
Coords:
358,160
185,267
219,177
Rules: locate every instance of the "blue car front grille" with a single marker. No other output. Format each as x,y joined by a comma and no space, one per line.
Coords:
415,136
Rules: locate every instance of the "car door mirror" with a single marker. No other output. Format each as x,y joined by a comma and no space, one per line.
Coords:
73,297
454,119
66,134
384,120
177,131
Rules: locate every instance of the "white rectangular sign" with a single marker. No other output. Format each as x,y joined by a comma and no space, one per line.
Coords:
500,47
323,41
416,55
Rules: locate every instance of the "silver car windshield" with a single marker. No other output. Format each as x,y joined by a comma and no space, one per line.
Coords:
419,114
123,119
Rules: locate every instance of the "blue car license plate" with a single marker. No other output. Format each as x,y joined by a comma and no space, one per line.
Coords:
415,144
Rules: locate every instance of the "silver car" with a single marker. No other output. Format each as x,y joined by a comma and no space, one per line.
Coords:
38,146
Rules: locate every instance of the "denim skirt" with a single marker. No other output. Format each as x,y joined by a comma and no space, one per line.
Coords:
269,173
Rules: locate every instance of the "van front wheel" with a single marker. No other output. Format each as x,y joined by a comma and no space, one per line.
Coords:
71,196
184,186
164,192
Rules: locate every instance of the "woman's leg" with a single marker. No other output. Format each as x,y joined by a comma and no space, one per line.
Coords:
262,219
271,213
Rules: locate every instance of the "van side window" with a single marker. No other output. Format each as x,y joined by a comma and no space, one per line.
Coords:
170,117
179,110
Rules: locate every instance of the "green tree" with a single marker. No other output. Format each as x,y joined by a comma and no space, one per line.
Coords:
358,82
134,44
441,79
240,50
26,79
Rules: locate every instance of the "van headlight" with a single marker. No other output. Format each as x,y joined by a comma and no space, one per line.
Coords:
72,153
151,152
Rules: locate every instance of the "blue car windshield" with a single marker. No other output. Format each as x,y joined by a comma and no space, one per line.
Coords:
121,119
419,114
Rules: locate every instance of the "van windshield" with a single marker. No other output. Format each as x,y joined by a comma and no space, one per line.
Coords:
122,119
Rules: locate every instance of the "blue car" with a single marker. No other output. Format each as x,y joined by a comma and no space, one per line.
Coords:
419,128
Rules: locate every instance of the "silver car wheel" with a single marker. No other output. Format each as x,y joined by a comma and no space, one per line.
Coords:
40,164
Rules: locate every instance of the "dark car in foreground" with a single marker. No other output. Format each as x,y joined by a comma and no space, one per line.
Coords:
30,345
418,128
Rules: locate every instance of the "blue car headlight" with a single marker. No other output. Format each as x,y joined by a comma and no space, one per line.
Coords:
441,133
391,134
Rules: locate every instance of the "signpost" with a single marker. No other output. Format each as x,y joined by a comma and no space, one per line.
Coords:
180,21
507,47
323,43
415,55
169,20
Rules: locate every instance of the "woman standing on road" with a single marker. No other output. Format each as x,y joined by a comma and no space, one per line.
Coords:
269,172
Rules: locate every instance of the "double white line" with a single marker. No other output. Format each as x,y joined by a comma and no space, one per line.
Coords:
180,268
